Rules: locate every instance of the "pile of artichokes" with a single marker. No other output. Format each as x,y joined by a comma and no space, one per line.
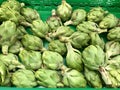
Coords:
51,54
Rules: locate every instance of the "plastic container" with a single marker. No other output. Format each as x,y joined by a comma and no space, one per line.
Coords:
44,8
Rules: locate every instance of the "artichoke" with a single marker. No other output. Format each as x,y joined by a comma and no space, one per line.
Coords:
52,60
95,39
24,78
109,21
64,10
88,27
31,42
54,21
30,59
13,4
112,48
113,34
30,14
48,78
57,46
15,48
73,78
11,61
94,59
78,16
96,14
73,58
7,35
93,78
77,39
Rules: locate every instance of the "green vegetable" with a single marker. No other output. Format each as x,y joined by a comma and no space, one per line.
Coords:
74,58
64,10
48,78
52,60
31,42
96,14
24,78
93,78
73,78
30,59
11,61
7,35
54,21
113,34
57,46
78,16
109,21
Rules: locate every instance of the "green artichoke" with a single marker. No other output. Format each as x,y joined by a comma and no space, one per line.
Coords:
94,59
78,16
7,35
30,14
39,28
13,4
52,60
95,39
77,39
112,48
96,14
57,46
31,59
64,10
73,78
21,32
113,34
11,61
48,78
109,21
15,48
74,58
93,78
31,42
54,21
88,27
24,78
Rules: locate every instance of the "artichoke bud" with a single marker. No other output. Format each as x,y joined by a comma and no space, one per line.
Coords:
39,28
96,14
30,14
73,78
74,58
13,4
15,48
11,61
24,78
54,21
112,48
57,46
7,35
109,21
52,60
63,31
31,59
31,42
113,34
88,27
78,16
93,78
95,39
48,78
64,11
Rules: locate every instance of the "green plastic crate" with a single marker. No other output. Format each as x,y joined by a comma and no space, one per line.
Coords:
44,8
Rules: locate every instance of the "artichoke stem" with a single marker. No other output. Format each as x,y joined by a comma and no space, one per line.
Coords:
43,49
102,31
53,12
25,24
48,38
69,46
105,76
5,49
60,85
68,23
64,39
